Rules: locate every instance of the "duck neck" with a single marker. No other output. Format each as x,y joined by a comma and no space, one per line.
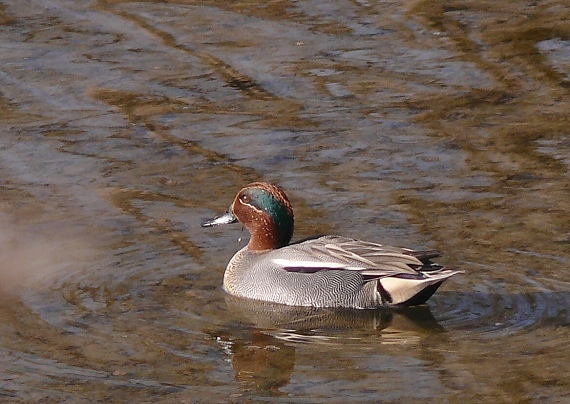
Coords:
270,234
264,241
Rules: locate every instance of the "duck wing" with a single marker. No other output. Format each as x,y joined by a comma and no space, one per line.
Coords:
371,260
402,277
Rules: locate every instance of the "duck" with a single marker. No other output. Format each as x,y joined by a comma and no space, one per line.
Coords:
320,271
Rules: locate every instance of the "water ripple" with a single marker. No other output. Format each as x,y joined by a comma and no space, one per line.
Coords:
492,312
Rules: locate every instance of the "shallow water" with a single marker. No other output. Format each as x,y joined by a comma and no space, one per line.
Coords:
125,124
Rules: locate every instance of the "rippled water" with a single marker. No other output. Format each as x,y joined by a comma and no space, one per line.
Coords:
421,124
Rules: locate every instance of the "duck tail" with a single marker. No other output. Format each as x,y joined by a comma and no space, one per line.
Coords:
408,290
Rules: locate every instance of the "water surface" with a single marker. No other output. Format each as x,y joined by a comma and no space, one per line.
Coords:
125,124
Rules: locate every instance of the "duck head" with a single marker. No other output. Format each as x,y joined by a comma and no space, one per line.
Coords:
265,211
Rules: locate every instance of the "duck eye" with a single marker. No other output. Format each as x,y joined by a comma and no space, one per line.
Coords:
245,198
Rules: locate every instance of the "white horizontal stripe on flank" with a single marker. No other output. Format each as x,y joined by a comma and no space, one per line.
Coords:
312,264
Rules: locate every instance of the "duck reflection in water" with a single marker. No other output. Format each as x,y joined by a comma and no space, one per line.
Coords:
263,342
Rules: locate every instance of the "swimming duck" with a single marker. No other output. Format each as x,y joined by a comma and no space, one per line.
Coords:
325,271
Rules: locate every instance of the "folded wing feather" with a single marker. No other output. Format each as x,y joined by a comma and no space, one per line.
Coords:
372,260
